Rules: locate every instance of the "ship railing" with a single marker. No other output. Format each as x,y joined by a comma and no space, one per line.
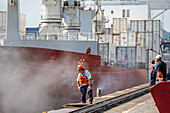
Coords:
116,2
59,36
123,63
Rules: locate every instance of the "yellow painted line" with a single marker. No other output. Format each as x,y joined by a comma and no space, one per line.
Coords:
108,96
132,108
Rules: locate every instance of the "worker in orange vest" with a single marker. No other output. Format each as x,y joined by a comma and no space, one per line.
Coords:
88,50
153,72
84,83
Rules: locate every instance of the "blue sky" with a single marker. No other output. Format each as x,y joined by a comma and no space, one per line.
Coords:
32,9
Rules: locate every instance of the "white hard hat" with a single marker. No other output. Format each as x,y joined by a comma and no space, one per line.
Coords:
158,56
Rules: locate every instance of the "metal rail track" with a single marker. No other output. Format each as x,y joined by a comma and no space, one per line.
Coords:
112,102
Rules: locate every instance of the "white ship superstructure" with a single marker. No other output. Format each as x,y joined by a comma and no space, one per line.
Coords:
71,12
50,17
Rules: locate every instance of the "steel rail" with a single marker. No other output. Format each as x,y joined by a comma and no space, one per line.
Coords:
112,102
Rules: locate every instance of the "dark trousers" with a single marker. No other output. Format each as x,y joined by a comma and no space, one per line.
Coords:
153,78
83,94
164,78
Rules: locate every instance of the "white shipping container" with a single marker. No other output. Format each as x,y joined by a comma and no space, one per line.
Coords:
119,25
132,39
112,53
123,25
121,56
156,26
116,40
116,26
124,39
105,38
143,55
104,51
149,26
102,39
126,57
155,37
148,40
141,26
140,39
134,25
158,44
139,54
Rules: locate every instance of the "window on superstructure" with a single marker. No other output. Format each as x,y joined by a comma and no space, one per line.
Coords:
76,3
65,3
112,12
128,13
123,13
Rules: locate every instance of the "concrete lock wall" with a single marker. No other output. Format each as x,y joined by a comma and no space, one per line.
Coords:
75,46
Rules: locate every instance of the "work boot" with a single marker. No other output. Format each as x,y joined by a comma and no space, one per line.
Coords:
91,102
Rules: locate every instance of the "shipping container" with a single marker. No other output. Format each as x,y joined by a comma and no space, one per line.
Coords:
131,57
134,26
121,57
149,26
112,54
141,55
141,26
123,25
148,40
132,39
116,40
158,44
116,26
105,38
137,25
156,26
104,52
127,39
155,41
119,25
126,57
32,31
141,39
124,39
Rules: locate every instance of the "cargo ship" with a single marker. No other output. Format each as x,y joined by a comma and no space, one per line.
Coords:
38,65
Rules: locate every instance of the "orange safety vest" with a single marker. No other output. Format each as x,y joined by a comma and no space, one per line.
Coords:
83,79
88,51
151,67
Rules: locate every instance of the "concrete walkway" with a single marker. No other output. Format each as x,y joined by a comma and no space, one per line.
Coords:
143,104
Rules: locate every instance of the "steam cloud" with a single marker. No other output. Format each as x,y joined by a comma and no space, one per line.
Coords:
27,88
